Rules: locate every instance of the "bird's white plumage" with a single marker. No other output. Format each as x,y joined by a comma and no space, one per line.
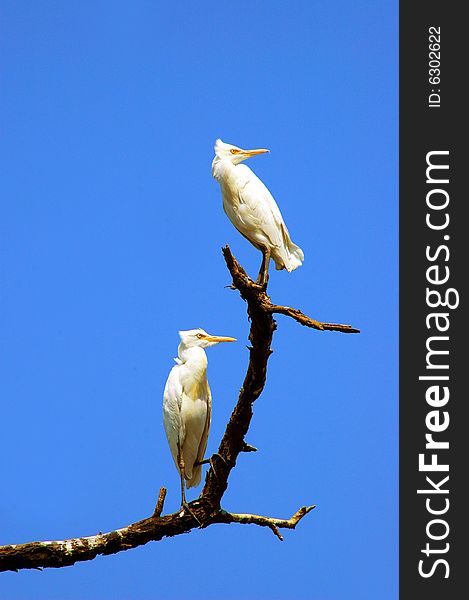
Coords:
251,207
187,403
187,409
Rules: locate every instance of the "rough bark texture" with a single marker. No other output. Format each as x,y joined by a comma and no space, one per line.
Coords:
207,508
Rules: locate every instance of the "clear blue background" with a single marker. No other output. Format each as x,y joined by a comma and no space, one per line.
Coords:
111,229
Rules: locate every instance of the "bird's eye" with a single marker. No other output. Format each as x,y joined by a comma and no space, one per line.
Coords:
199,335
234,151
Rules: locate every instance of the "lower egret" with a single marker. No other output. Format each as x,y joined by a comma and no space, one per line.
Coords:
187,406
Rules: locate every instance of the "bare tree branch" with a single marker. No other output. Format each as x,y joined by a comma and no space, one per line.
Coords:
207,508
274,524
160,502
296,314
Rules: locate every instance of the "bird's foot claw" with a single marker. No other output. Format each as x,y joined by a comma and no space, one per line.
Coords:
209,461
220,457
212,466
212,463
186,507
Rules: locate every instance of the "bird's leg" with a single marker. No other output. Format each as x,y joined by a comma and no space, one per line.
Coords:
263,276
207,461
182,473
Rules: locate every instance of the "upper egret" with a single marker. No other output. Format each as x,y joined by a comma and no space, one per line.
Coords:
187,405
251,208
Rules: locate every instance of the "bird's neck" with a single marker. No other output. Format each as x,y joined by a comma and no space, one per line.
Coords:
221,168
194,357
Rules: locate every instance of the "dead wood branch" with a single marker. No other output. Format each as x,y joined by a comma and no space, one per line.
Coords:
272,523
207,508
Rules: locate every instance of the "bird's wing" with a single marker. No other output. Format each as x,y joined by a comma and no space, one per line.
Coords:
204,438
258,209
195,414
196,471
187,407
195,445
172,402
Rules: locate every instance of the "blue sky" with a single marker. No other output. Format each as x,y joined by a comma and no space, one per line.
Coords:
110,242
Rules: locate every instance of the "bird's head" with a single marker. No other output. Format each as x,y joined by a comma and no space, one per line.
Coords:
202,339
235,154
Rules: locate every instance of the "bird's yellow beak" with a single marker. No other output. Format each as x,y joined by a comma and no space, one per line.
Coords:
254,152
218,338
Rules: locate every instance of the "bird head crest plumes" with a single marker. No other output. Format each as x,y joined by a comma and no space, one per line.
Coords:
224,150
191,337
219,145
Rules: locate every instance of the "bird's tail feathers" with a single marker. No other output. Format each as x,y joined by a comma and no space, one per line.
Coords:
292,255
195,478
293,258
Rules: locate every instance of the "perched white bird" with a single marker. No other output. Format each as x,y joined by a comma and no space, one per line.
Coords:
187,405
251,208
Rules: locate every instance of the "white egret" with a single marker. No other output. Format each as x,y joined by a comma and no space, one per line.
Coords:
251,208
187,406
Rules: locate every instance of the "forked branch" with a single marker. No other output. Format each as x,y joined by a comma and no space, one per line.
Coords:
207,508
272,523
